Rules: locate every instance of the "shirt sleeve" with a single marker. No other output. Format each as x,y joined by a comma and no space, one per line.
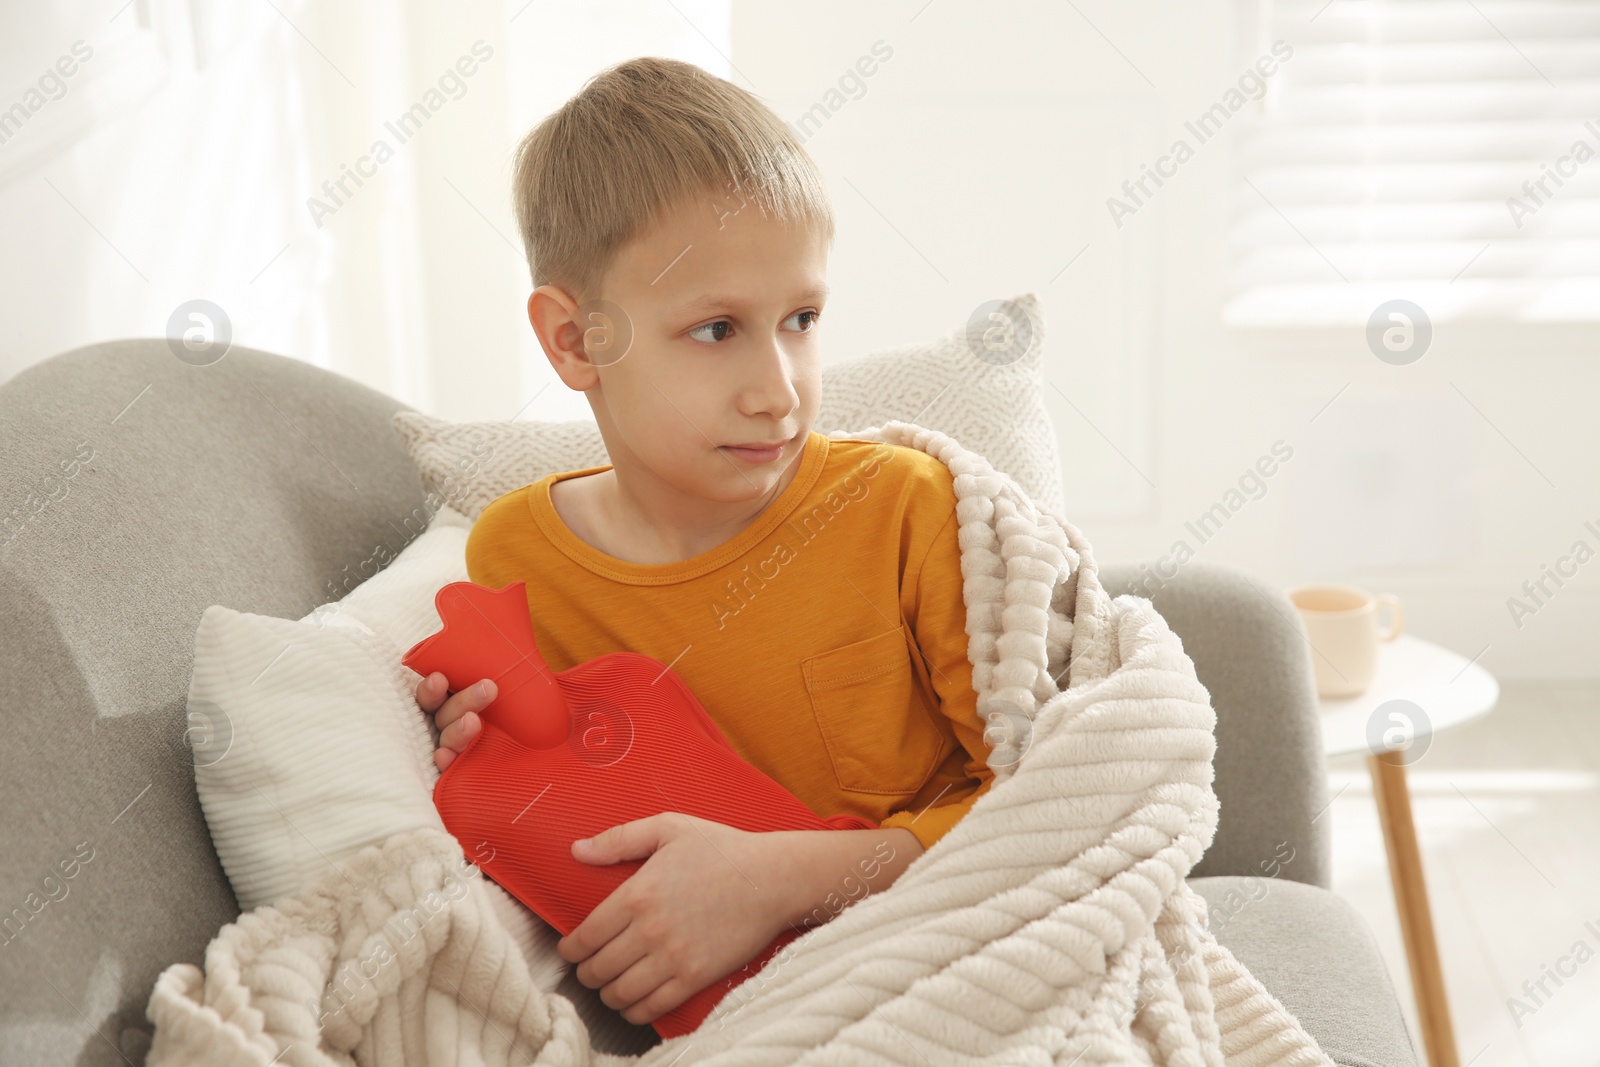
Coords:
490,539
937,614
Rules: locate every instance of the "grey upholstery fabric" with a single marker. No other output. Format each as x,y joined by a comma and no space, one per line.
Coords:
137,490
1311,949
255,482
1250,652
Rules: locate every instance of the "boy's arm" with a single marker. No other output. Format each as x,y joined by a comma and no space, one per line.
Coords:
824,871
937,614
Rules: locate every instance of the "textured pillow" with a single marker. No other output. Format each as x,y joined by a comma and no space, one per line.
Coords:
982,383
309,746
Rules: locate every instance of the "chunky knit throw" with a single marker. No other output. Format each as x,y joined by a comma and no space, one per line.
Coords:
1051,926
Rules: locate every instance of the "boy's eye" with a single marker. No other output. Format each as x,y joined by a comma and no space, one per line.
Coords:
723,324
720,329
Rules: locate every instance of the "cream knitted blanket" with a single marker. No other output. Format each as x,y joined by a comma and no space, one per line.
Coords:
1052,925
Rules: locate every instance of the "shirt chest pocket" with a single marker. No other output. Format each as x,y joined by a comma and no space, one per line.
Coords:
874,722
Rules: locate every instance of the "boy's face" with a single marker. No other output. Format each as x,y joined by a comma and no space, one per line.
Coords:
722,304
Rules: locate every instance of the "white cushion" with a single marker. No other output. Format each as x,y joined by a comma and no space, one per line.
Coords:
992,404
309,745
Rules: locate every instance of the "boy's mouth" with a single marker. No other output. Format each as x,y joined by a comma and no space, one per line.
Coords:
756,451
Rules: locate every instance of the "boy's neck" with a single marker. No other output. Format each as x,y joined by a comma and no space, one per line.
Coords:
637,518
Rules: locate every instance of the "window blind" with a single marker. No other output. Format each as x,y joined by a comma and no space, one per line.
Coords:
1441,151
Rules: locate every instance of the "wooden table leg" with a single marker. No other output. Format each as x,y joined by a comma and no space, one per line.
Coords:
1411,901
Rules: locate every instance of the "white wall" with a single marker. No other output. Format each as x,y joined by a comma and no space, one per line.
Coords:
976,164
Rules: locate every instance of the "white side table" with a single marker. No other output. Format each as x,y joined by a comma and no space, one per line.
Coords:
1449,690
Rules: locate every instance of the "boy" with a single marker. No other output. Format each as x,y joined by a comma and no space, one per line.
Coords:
807,590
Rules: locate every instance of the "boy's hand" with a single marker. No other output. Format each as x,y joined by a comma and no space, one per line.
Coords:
458,719
705,903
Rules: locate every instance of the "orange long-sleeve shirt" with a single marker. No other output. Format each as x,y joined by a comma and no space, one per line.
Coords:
827,640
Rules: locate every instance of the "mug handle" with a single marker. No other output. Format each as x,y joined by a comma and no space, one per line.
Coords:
1397,616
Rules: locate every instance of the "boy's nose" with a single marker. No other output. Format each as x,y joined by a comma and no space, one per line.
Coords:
770,389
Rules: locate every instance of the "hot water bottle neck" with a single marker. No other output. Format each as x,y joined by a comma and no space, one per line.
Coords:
565,755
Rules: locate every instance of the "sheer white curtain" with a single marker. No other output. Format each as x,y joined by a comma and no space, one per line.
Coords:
334,176
1435,149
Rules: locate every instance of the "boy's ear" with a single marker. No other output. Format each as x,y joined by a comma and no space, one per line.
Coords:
553,314
577,340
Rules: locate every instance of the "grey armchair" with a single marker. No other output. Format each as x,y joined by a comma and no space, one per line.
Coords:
136,490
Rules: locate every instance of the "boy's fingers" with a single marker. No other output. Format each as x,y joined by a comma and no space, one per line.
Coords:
449,712
473,698
457,734
431,692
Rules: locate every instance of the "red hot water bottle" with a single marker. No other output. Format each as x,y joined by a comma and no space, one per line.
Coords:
563,756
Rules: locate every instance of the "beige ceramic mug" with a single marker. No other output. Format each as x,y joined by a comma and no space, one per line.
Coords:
1342,624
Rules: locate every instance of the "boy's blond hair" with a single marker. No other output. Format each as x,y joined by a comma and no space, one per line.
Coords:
637,138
